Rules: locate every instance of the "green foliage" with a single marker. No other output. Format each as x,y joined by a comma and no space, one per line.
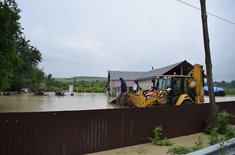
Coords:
49,80
87,86
222,123
233,84
229,91
81,86
222,120
222,148
156,140
27,69
180,150
82,78
58,86
229,87
184,149
230,133
214,138
225,84
9,31
18,59
223,128
29,55
198,144
208,127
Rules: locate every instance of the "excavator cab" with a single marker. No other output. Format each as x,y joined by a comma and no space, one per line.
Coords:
173,90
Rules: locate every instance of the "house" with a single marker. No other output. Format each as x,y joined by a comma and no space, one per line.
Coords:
114,83
145,78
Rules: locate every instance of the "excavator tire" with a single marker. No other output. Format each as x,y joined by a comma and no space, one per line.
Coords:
187,102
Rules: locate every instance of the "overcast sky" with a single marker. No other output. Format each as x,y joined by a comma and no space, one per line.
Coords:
90,37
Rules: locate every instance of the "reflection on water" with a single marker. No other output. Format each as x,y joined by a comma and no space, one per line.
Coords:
29,102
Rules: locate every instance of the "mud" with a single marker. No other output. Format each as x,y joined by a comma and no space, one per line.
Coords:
150,149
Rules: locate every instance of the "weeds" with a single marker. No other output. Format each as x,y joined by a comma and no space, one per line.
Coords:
230,133
224,128
222,120
156,140
222,148
214,137
219,134
184,149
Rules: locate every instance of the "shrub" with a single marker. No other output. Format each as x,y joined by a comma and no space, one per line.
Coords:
156,140
208,127
214,138
230,133
222,120
222,123
184,149
224,128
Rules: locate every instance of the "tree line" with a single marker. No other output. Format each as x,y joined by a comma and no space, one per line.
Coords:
19,59
79,86
225,84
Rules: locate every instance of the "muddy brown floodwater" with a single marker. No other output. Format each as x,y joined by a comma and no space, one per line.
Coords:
31,103
80,101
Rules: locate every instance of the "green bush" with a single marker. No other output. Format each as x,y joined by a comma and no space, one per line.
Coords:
223,128
184,149
208,127
230,133
156,140
214,138
179,150
229,91
222,123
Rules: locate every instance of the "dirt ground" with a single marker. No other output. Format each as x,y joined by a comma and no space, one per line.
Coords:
150,149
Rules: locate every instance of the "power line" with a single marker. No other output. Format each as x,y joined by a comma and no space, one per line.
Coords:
228,21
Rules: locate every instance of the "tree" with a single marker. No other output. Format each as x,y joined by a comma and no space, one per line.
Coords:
10,29
223,83
208,63
18,59
49,81
233,83
26,73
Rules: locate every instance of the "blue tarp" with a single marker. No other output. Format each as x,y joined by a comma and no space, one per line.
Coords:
216,89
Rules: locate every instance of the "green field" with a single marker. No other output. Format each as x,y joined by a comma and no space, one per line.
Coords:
229,91
82,78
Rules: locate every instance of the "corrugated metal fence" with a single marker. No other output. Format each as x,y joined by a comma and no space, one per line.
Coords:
80,132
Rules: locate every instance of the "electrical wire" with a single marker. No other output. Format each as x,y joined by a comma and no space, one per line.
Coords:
228,21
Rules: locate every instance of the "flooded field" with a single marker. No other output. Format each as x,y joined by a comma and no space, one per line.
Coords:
80,101
31,103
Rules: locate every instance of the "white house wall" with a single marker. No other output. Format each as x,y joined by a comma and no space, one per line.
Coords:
145,84
114,86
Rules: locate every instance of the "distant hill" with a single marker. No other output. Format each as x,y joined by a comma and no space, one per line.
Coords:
82,78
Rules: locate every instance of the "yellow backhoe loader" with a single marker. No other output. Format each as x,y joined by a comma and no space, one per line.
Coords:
171,90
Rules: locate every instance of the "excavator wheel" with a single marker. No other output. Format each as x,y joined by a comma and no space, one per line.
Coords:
187,102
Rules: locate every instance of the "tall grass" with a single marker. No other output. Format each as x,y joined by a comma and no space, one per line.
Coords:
229,91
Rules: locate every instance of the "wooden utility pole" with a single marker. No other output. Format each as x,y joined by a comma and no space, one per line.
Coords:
213,110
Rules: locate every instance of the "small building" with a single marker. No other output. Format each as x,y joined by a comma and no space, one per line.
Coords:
145,78
114,82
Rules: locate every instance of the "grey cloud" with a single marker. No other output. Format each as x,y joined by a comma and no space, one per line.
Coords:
90,37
